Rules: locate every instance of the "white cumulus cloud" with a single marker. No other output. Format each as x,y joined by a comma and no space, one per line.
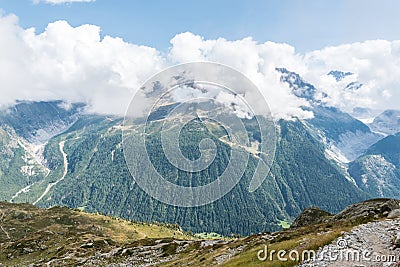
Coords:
256,61
75,64
72,64
375,64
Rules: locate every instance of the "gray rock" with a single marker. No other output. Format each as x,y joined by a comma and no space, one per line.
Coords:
394,214
385,213
397,241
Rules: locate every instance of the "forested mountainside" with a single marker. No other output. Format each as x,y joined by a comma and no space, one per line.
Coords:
66,156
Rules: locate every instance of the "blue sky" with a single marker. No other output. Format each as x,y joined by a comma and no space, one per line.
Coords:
306,25
73,63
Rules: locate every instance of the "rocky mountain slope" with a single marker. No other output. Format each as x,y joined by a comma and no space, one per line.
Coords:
345,137
388,122
60,236
366,148
52,154
378,170
87,170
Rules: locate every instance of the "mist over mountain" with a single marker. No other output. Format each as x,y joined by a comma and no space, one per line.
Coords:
78,64
69,156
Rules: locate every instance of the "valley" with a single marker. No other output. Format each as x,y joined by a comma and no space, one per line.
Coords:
81,164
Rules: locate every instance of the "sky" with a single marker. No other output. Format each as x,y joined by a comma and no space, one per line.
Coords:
306,25
101,51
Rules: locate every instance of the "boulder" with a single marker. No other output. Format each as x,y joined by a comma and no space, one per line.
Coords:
396,242
394,214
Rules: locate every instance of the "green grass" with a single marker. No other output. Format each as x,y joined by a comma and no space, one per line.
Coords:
57,231
208,236
63,231
284,224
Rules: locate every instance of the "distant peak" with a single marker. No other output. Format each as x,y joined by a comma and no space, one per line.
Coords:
299,86
339,75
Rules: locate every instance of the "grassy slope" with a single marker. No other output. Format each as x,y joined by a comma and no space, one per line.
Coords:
36,235
306,238
32,235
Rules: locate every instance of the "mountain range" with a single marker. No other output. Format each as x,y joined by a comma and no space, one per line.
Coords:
56,154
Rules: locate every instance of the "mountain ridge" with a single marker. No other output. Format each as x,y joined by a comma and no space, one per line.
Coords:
307,170
30,236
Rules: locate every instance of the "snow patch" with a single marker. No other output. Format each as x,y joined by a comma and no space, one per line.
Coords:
366,120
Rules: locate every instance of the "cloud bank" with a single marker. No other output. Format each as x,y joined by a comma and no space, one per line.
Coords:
72,64
75,64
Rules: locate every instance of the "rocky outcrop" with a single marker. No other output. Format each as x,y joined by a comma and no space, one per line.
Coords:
311,216
396,241
371,208
394,214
